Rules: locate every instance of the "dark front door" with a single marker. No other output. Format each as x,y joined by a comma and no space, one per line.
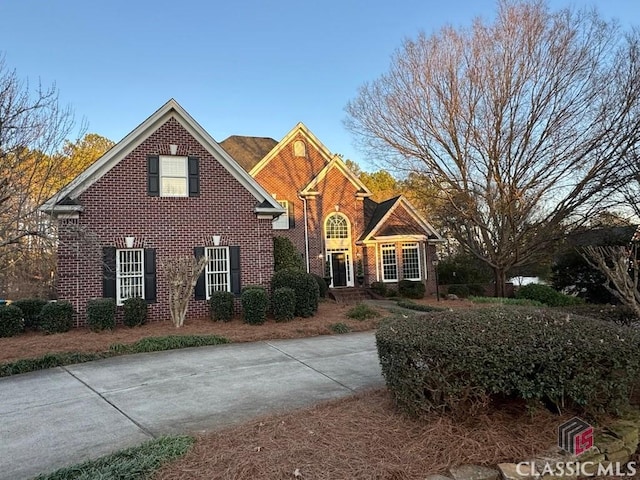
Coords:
339,266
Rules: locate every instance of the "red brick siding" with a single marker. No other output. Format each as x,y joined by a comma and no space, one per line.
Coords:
117,205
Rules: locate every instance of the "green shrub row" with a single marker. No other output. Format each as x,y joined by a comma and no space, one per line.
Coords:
547,295
135,312
31,308
305,287
255,304
506,301
11,322
460,359
101,314
411,289
221,306
611,313
284,304
56,317
464,290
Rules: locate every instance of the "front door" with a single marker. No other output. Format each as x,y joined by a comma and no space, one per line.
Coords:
339,269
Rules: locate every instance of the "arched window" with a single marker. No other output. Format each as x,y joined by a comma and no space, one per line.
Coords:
336,226
299,149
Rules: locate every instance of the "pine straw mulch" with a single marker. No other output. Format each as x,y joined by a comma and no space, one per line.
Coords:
33,344
364,437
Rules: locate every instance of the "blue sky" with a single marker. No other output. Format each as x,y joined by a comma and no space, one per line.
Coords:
238,67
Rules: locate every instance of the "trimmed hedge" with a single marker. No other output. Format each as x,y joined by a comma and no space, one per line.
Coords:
305,286
463,290
411,289
286,255
408,304
547,295
255,303
56,317
31,308
221,306
283,303
101,314
322,285
135,312
11,322
362,311
457,360
611,313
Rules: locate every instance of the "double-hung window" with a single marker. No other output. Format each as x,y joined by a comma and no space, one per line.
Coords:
217,270
410,261
282,222
389,262
174,176
129,274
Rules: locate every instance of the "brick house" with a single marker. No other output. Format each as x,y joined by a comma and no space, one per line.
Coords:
169,189
330,217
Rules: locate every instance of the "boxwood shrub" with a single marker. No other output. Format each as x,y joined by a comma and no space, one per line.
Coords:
379,288
101,314
411,289
56,317
547,295
283,303
11,322
457,360
221,306
31,308
322,285
135,312
254,305
305,286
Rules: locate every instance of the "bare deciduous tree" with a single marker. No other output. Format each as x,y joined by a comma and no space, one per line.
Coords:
620,267
522,122
33,129
182,274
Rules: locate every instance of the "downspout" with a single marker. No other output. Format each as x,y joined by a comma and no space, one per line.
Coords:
306,232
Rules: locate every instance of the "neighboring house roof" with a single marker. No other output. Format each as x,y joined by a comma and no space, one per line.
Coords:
604,236
265,203
379,213
248,151
301,129
336,162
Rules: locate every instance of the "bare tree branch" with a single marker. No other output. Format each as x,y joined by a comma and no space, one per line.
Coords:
524,123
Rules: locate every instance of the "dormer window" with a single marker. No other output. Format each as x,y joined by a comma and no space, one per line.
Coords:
299,149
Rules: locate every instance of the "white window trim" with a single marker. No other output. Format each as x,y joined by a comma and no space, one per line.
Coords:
412,246
282,222
119,277
186,175
208,271
383,247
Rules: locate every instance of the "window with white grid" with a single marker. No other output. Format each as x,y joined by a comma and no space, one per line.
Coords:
389,262
336,226
129,274
173,176
410,261
217,270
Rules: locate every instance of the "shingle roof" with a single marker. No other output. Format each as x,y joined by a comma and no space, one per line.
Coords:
603,236
248,151
374,212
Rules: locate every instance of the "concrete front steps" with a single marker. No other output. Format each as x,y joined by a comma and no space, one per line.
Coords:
349,295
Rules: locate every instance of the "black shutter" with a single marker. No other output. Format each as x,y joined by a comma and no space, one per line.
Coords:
292,215
109,272
153,175
200,290
150,275
194,177
234,268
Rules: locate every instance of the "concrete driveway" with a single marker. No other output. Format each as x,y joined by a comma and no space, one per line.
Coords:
66,415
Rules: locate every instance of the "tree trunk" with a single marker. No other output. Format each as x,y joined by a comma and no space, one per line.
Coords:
500,277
